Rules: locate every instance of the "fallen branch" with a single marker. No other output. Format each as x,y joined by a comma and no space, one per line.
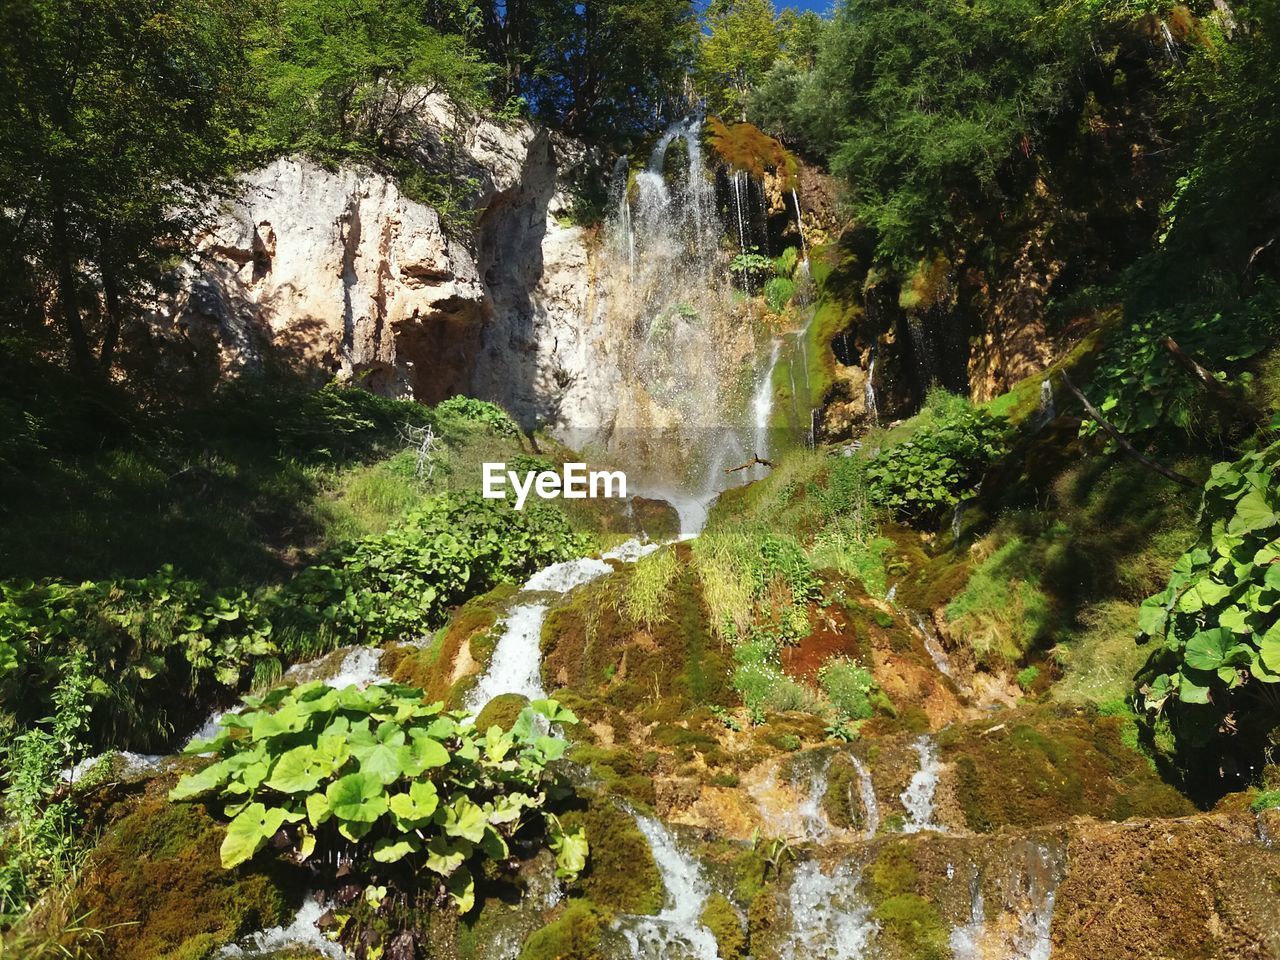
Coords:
1200,374
753,462
1124,444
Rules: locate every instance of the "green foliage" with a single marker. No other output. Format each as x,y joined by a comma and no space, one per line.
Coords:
648,590
849,686
924,106
1028,676
149,646
1138,384
1266,800
489,415
941,462
400,584
1217,659
741,42
411,797
1002,610
750,264
778,292
41,838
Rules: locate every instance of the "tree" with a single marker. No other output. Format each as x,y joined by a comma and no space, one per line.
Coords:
116,118
348,76
607,68
741,42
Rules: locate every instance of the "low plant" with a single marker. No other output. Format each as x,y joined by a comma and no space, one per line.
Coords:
1216,664
939,465
648,589
400,584
407,801
148,645
483,412
849,686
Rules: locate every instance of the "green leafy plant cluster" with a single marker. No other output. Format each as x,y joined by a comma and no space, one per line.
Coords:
149,645
402,583
411,800
750,264
492,416
849,686
939,465
1139,384
1217,662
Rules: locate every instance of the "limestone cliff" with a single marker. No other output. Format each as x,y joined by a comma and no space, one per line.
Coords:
337,272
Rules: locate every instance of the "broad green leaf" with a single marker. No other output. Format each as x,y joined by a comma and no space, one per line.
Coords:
463,818
357,797
462,888
571,851
249,832
445,855
392,849
211,777
299,770
415,808
1207,650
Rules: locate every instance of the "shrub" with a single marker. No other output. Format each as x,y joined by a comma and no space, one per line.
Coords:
490,415
778,293
401,583
407,798
940,464
848,686
149,645
1217,663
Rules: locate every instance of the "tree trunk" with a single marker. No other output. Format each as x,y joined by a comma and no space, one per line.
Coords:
111,336
68,302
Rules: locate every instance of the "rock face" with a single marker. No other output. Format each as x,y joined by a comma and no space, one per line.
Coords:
337,272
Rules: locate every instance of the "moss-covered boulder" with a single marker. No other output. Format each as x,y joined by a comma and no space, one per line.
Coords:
156,888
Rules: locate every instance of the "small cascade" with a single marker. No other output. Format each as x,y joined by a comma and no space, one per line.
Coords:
516,666
301,934
762,402
740,190
869,390
934,647
677,932
804,247
966,939
125,765
830,919
918,797
957,517
867,794
1043,871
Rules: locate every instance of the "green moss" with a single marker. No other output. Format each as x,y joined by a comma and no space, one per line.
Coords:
915,925
750,873
1002,612
574,935
621,874
1048,765
156,888
720,917
501,710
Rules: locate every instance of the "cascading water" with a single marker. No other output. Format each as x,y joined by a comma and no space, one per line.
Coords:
869,389
918,797
934,648
830,919
677,932
867,794
516,666
682,336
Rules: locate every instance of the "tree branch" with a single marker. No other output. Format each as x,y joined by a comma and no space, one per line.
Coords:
1124,444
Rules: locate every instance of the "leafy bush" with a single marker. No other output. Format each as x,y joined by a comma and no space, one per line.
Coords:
407,798
778,293
940,465
848,685
483,412
401,583
1138,384
149,645
1217,665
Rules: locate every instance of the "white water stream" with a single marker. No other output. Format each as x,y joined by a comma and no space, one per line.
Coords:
918,797
677,932
830,919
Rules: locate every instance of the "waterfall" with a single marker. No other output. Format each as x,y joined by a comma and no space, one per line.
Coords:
677,330
867,793
516,666
677,932
869,389
918,797
830,919
762,403
300,934
933,647
804,247
966,940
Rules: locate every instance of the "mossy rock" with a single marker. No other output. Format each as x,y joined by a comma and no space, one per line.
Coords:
155,885
621,874
1044,765
502,710
911,928
721,918
574,935
435,668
